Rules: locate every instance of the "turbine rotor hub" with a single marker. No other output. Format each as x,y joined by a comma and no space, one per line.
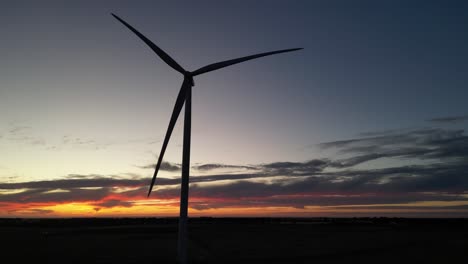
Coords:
188,75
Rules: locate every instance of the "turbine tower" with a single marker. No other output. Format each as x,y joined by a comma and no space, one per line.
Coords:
185,96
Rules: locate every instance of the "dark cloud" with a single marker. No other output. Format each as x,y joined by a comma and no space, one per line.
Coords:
295,168
206,167
44,195
32,211
416,144
449,119
345,163
443,176
379,133
74,187
75,183
442,182
165,166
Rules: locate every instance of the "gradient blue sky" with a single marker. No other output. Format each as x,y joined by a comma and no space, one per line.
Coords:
81,95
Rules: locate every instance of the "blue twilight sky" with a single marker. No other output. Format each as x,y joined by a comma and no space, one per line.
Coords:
80,94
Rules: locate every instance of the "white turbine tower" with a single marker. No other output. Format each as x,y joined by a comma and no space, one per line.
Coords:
185,96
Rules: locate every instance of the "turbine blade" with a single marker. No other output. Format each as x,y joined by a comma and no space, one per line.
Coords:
219,65
163,55
175,114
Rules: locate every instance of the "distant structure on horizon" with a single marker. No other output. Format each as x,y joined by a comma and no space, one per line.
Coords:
185,96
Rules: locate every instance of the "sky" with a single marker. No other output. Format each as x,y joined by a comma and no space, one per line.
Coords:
369,119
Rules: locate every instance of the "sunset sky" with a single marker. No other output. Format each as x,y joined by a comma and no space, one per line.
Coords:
369,119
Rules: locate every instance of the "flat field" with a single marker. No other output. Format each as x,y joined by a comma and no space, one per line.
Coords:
235,240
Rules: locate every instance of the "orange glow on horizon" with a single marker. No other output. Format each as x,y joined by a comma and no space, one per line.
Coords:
170,208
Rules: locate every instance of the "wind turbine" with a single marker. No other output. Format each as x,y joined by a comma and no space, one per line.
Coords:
185,96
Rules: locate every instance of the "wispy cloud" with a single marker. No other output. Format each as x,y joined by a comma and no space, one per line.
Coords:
23,134
449,119
18,129
27,135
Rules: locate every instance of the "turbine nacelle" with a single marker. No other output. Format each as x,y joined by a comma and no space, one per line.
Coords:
189,77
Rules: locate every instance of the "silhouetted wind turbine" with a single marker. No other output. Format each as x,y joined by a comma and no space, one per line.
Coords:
185,95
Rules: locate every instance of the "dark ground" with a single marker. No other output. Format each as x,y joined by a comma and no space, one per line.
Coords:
242,240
